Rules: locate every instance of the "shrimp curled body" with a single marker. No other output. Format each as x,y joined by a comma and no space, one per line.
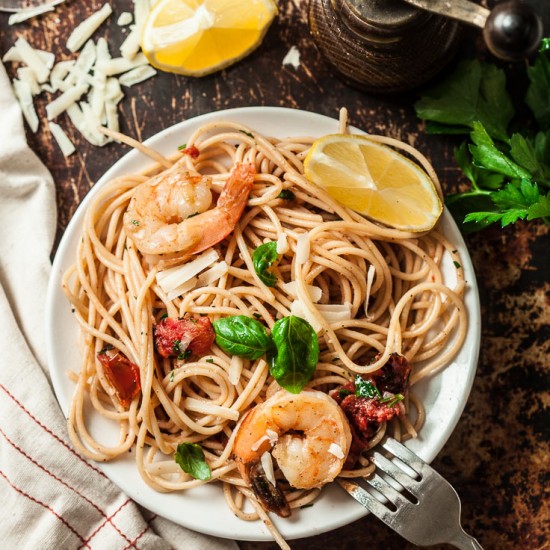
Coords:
308,434
170,213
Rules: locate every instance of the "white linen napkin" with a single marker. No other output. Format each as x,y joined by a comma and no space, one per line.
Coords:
51,497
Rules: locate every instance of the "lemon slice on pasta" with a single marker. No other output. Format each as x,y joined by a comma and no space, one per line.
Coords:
374,180
199,37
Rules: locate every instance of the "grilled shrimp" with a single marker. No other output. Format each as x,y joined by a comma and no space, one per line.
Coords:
308,435
170,213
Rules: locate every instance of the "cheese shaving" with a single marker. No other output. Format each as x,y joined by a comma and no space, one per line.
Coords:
125,18
213,274
302,248
84,31
370,279
118,65
267,465
14,55
65,100
171,278
25,74
32,59
282,243
23,15
23,94
131,46
235,369
137,75
315,292
65,144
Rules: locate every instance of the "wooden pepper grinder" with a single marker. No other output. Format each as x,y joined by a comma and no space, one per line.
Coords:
396,45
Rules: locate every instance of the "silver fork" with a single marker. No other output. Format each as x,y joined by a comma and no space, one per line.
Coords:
429,514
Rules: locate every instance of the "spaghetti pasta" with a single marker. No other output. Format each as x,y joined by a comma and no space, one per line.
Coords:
368,292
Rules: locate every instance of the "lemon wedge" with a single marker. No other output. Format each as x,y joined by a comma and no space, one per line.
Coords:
374,180
199,37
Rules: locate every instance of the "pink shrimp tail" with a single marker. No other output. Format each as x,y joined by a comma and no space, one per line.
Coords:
218,223
234,195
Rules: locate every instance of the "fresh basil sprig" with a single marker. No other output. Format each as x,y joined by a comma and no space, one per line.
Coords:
190,458
292,349
293,360
242,336
263,257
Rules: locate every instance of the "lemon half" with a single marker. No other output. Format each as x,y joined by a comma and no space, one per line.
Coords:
374,180
199,37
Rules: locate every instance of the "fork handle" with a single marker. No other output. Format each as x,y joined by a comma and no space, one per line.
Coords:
465,542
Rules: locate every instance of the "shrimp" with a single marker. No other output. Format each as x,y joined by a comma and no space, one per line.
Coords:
170,213
309,436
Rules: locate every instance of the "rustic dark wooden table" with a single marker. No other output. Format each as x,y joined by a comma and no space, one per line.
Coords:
497,458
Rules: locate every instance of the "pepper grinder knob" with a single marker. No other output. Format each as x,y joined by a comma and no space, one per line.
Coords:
513,30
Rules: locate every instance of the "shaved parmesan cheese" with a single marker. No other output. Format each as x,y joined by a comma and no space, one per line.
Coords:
23,15
13,55
315,292
81,123
169,279
26,75
235,369
336,450
33,60
298,309
333,313
65,100
113,91
65,144
213,274
182,289
137,75
84,31
370,278
302,248
270,435
131,46
292,57
23,94
118,65
282,243
267,465
59,72
125,18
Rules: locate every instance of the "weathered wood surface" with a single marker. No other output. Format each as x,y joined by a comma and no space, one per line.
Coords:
497,458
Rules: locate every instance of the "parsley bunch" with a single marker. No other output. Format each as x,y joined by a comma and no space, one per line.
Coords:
509,174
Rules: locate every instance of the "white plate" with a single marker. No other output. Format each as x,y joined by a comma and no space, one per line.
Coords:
204,509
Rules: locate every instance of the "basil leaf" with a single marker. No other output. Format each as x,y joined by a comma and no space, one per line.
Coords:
242,336
295,353
190,458
263,258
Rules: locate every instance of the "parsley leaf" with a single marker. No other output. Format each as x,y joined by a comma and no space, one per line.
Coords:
515,202
506,172
486,154
475,91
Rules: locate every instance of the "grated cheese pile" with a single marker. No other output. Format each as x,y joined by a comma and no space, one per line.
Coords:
86,88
